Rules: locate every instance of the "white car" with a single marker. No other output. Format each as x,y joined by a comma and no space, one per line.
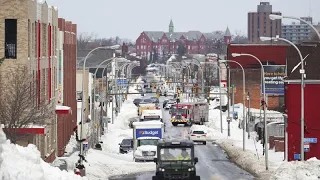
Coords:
198,135
168,105
170,92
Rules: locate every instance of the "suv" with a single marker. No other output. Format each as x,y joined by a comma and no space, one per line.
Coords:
175,160
125,146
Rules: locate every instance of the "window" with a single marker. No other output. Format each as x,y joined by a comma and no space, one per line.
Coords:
44,40
10,38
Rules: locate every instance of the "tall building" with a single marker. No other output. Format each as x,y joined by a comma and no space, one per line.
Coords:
297,32
195,42
259,23
33,37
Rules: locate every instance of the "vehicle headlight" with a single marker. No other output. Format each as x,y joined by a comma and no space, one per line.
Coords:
161,169
191,169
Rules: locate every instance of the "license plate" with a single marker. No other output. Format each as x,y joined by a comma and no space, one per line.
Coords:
198,136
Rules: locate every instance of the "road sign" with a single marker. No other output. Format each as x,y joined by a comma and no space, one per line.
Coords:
310,140
296,156
306,147
121,81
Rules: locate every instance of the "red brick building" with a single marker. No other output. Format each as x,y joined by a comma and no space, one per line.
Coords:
67,122
268,54
163,43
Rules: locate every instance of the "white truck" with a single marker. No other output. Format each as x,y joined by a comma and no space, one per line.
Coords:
145,139
151,115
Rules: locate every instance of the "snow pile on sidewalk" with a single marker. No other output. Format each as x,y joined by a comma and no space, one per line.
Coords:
309,169
252,159
19,162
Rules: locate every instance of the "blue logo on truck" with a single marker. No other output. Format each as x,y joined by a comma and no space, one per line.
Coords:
157,132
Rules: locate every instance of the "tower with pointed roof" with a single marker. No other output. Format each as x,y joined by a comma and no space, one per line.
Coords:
171,27
227,36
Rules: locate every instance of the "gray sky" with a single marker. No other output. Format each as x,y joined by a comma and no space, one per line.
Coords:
128,18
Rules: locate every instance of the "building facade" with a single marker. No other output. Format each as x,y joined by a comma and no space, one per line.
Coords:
195,42
297,32
259,23
30,37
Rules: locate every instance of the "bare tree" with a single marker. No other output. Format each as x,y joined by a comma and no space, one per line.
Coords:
84,39
19,107
239,38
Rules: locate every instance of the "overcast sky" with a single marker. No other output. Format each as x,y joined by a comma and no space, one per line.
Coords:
128,18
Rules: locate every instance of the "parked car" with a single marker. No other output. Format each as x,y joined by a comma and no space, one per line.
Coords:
170,92
155,100
165,103
146,101
148,90
125,146
137,101
198,135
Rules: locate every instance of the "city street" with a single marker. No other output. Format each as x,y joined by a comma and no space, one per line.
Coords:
213,162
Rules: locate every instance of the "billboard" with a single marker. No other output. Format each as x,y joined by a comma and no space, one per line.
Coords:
154,132
273,77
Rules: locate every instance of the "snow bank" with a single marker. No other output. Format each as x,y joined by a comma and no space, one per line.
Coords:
19,162
309,169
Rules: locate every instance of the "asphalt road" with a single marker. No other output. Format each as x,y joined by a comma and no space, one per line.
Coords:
213,162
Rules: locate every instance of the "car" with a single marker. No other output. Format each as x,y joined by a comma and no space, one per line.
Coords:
175,160
148,90
146,101
137,101
170,92
155,100
125,146
198,135
169,105
165,103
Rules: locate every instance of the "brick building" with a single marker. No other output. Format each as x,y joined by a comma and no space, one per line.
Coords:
268,54
259,23
67,122
30,37
195,42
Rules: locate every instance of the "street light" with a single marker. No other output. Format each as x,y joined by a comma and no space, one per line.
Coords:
264,105
80,164
302,72
276,17
221,126
244,99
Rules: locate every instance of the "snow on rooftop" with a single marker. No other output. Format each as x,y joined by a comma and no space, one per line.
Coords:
25,163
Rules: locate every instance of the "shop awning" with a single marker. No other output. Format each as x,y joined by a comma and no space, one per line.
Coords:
63,109
30,129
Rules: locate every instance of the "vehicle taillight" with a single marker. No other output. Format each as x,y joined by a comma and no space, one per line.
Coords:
204,135
193,135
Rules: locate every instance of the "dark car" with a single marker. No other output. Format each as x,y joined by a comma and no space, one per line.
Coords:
165,103
155,100
125,146
137,101
146,101
148,90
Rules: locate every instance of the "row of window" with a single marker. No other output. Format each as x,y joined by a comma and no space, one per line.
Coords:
11,39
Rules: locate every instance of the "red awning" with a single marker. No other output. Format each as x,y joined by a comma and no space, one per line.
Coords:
28,130
63,110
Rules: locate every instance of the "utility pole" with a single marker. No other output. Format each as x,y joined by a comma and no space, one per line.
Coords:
228,91
248,116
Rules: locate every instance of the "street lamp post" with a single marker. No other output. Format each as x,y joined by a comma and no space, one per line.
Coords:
302,72
80,164
275,17
264,105
220,96
243,98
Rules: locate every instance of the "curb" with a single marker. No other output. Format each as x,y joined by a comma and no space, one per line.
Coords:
247,161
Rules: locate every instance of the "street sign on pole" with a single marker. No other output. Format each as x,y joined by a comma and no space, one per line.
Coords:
306,147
